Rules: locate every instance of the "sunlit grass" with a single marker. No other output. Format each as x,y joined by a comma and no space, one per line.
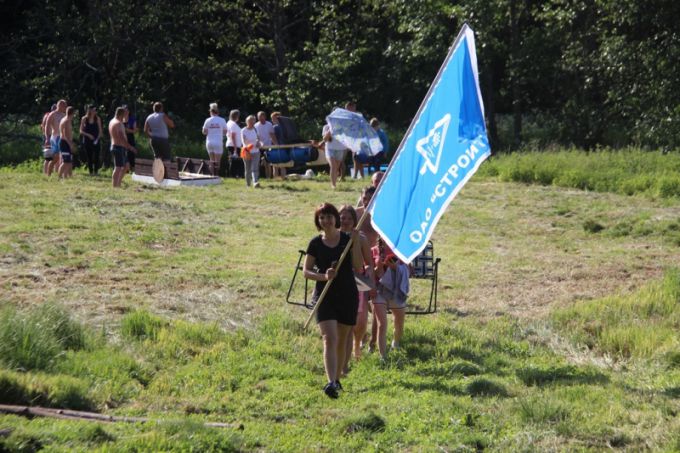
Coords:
626,172
178,298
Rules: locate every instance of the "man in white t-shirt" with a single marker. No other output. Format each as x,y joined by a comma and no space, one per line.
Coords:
265,130
234,145
214,129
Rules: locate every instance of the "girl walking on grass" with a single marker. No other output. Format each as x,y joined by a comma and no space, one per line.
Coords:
338,311
348,222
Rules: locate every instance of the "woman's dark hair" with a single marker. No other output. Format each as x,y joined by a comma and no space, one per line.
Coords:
326,208
351,211
370,190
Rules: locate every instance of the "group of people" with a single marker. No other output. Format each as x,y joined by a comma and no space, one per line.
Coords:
243,144
57,129
342,315
59,145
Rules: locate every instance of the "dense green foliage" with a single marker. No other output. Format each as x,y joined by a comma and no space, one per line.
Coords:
579,72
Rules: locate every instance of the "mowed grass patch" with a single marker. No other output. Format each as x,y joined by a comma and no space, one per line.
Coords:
227,254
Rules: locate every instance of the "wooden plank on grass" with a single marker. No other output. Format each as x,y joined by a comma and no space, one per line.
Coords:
67,414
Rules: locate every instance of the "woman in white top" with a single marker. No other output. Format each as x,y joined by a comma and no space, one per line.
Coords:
251,141
335,154
214,129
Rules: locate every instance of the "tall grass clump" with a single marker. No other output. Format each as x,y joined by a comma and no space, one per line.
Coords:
34,339
626,172
644,324
41,389
141,325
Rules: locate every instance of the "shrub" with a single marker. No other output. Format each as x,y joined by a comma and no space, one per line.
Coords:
668,186
592,226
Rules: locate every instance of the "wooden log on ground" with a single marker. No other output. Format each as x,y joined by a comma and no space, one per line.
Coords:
67,414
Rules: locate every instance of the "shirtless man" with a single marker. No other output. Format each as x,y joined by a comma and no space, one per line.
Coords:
66,145
47,149
119,145
52,131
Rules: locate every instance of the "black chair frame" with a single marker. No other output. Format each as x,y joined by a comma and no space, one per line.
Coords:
307,303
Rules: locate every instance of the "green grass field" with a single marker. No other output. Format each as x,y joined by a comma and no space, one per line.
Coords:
557,329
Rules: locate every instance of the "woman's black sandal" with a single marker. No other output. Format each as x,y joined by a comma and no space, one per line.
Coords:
330,390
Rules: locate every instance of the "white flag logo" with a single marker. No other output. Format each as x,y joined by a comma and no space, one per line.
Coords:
431,147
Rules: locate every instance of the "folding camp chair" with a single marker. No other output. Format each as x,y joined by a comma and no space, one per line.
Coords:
424,267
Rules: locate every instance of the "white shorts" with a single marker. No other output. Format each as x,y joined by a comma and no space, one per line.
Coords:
214,147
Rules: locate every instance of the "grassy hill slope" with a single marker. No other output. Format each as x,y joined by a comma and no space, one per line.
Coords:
170,304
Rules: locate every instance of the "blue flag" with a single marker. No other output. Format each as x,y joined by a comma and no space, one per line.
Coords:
442,149
352,130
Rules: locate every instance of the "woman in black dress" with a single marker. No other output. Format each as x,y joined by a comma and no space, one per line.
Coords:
338,311
90,133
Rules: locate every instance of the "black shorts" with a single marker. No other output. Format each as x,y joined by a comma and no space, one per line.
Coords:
161,148
131,158
119,155
65,151
131,139
342,308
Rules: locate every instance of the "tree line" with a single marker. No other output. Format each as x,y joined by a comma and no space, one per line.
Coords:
586,73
